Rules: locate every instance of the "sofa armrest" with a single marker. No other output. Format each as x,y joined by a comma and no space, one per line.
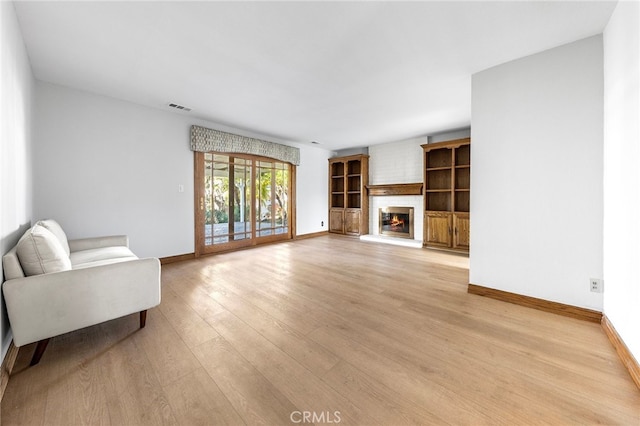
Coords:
98,242
44,306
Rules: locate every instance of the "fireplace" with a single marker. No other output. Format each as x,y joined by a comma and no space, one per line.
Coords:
396,222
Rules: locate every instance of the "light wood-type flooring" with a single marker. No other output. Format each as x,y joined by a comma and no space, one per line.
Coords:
329,329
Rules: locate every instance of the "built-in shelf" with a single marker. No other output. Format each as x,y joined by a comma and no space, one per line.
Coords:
348,207
447,191
395,189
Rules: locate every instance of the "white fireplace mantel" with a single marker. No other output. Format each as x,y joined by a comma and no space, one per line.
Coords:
405,242
415,201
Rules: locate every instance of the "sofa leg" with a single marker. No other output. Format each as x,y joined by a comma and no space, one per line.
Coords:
143,318
37,354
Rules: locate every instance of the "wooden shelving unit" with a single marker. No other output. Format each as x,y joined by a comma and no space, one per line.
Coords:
348,200
447,183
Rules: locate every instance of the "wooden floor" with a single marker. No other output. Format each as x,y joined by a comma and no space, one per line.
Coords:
333,329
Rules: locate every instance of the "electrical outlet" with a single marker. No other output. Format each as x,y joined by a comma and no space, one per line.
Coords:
596,285
322,224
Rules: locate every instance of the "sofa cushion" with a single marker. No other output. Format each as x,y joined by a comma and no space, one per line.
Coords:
104,262
11,265
83,257
40,252
56,230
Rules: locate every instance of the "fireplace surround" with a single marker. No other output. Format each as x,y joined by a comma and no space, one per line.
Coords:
396,222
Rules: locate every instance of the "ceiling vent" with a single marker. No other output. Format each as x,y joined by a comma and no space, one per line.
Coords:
180,107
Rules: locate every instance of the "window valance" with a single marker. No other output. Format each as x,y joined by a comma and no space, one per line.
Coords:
207,140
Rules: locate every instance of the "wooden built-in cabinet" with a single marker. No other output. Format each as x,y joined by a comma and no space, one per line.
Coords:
447,183
348,200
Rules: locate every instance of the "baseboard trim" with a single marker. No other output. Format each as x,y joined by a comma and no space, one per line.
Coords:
177,258
312,235
623,351
535,303
7,367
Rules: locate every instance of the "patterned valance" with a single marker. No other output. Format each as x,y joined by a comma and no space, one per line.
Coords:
207,140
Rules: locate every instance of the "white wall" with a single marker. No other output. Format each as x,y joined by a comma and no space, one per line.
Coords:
622,173
312,190
450,135
536,185
396,162
104,166
16,86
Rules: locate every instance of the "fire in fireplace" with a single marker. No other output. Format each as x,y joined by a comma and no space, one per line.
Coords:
396,221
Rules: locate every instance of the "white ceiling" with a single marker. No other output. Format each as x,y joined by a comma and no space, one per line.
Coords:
345,74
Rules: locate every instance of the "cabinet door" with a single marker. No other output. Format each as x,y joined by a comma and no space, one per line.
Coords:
438,229
461,231
336,221
352,222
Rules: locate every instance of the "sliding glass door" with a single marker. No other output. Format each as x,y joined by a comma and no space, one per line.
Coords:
272,195
241,200
227,185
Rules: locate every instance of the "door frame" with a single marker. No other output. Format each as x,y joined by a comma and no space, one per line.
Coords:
199,213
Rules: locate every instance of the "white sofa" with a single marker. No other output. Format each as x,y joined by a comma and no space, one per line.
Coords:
54,286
